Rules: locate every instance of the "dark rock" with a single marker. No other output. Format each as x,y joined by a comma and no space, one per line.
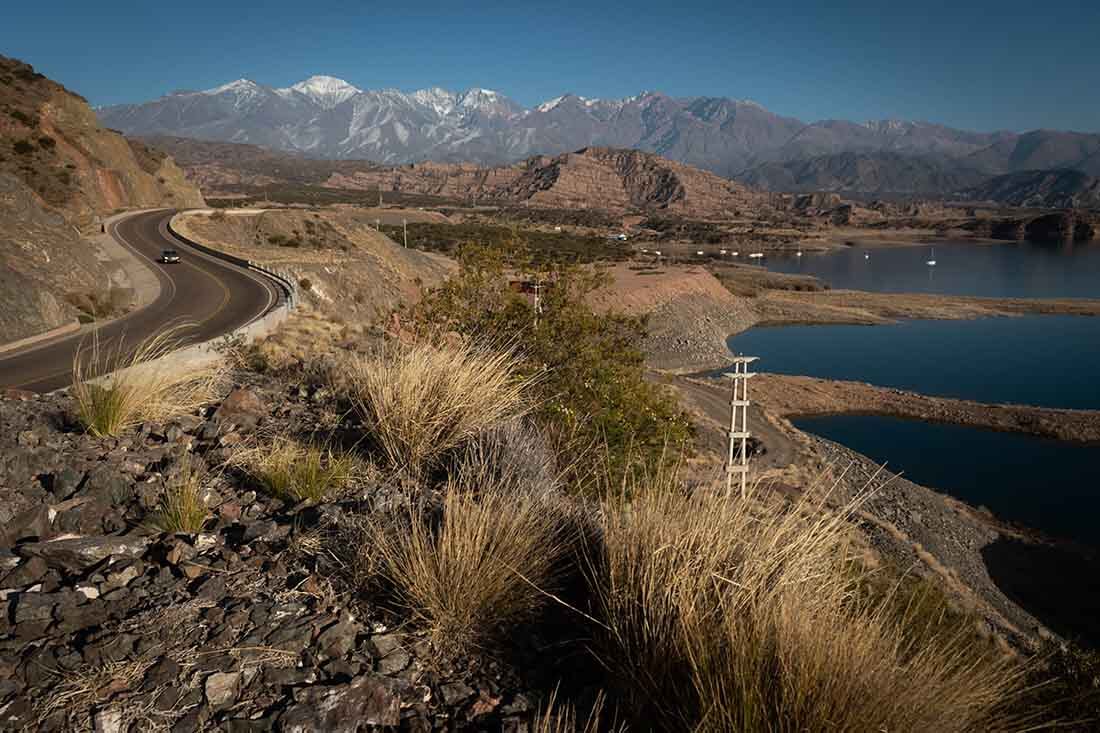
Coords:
338,639
242,407
293,637
80,553
32,607
455,692
343,708
30,572
66,481
164,672
288,676
112,647
383,644
108,482
213,589
394,662
35,523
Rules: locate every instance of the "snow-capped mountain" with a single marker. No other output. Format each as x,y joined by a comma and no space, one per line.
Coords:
327,117
324,91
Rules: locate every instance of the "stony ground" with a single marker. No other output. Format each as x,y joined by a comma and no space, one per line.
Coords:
113,626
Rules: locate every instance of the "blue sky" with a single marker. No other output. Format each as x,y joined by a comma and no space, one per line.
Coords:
979,65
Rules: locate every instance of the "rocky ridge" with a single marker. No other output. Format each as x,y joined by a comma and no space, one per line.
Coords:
112,625
591,178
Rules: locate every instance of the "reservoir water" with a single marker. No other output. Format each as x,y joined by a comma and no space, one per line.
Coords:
1009,270
1047,484
1052,361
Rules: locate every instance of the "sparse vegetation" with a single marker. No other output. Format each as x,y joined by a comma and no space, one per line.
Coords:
421,402
181,509
117,387
22,147
475,569
540,246
731,615
295,471
591,392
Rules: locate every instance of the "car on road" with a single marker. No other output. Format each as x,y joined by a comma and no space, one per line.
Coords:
169,256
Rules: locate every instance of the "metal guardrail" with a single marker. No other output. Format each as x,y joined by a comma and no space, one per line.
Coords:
286,284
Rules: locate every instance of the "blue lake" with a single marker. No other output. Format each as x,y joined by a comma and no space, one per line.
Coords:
1046,484
1009,270
1053,361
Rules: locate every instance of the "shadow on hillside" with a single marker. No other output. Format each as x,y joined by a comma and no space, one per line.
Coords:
1059,587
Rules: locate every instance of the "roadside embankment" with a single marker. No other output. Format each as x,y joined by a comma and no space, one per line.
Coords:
335,256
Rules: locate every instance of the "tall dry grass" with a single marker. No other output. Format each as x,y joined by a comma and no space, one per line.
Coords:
730,615
115,389
420,402
473,568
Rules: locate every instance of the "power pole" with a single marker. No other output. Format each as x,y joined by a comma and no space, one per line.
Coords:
405,227
380,195
739,424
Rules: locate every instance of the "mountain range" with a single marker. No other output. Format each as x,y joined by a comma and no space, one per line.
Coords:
325,117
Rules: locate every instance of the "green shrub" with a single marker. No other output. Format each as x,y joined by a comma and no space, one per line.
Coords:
47,143
22,147
591,388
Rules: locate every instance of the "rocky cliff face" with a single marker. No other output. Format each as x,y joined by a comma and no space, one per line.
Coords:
607,179
59,171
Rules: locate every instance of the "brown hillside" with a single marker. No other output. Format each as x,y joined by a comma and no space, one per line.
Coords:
59,171
592,178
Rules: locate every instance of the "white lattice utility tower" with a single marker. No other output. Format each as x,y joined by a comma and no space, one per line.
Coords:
738,461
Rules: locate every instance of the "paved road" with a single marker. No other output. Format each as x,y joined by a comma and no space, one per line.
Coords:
211,293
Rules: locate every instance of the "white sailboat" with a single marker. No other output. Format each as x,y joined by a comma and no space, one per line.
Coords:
931,261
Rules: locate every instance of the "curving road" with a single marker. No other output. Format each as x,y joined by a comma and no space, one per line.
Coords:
213,294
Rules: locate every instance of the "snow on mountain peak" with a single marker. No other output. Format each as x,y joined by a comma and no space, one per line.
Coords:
550,104
440,100
240,85
327,91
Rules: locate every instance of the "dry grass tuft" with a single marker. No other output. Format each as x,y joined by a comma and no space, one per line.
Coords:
296,471
420,402
557,718
115,389
473,569
729,615
77,691
181,509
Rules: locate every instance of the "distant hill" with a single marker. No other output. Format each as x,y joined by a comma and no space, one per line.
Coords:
323,117
1054,189
1041,150
59,170
595,178
869,173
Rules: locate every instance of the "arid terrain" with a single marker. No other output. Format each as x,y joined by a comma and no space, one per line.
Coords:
60,173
